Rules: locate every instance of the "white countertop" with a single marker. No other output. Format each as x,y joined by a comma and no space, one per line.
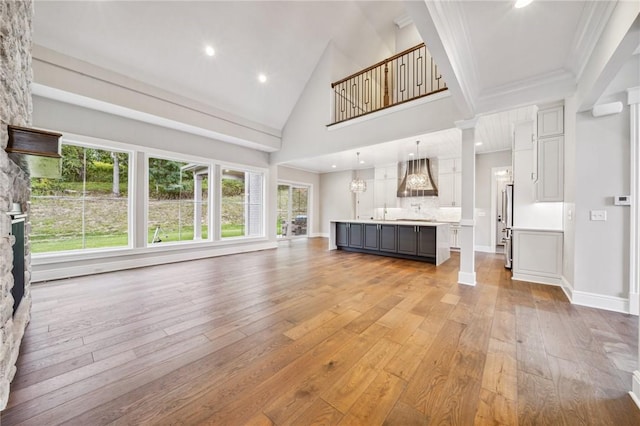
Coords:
395,222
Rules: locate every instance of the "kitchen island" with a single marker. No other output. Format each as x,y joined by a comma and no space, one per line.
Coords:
408,239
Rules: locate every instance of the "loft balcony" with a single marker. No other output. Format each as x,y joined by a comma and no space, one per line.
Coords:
404,77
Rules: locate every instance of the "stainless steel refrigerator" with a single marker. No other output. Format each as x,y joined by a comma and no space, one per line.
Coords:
507,220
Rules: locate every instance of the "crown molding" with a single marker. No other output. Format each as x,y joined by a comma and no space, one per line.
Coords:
403,21
593,21
451,25
540,88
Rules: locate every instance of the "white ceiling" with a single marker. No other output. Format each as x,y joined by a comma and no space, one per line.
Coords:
162,43
494,131
494,57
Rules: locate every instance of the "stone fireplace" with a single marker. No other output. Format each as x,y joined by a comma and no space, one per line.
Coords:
15,109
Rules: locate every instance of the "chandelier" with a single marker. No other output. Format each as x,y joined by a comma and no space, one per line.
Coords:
417,180
357,184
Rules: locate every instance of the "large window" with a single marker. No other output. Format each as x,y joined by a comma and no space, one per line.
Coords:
86,207
241,204
178,201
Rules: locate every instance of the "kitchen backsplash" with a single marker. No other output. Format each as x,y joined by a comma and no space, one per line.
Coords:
420,208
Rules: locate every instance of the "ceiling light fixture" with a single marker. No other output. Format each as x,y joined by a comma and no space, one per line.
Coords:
333,166
417,179
357,184
478,143
209,51
522,3
262,78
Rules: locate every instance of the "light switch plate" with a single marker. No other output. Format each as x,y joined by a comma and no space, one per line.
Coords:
600,215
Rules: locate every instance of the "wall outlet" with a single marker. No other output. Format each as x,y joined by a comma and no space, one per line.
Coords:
600,215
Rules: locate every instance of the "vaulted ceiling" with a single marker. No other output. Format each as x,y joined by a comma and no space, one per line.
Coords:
497,60
162,43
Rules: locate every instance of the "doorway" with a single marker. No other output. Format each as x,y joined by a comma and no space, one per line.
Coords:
293,210
500,176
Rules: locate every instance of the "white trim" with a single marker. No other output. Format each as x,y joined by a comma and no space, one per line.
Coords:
467,124
635,388
538,279
634,303
452,28
319,235
390,110
567,288
467,278
633,96
485,249
593,20
127,262
601,301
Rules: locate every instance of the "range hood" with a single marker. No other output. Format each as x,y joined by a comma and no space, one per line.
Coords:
421,166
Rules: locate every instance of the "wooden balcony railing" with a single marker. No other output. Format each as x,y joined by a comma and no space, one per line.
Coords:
409,75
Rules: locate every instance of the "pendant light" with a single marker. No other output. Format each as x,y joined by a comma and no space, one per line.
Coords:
357,184
417,180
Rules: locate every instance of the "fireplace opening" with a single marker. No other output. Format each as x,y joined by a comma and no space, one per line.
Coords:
17,230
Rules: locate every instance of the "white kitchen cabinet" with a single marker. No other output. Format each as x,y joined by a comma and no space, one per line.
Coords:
449,184
454,233
550,162
385,186
449,165
537,255
548,159
551,122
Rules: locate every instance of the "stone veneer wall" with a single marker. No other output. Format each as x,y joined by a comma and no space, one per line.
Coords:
15,109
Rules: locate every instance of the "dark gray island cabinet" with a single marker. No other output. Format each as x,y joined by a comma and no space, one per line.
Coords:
423,241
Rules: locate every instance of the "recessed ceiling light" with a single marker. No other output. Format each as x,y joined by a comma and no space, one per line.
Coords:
333,166
262,78
478,143
522,3
209,51
411,154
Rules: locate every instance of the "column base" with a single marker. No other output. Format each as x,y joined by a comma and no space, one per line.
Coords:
467,278
635,388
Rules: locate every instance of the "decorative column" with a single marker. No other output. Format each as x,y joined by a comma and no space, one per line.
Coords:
467,273
633,99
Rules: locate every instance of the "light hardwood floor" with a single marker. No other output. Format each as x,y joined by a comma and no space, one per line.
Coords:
301,335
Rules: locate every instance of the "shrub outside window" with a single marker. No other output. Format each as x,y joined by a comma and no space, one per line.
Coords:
86,207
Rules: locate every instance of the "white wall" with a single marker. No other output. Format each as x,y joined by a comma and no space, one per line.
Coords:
308,178
336,200
484,164
306,134
602,171
63,117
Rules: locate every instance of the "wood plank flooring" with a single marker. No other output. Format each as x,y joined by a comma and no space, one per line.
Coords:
301,335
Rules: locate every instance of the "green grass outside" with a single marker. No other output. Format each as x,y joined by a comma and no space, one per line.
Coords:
94,241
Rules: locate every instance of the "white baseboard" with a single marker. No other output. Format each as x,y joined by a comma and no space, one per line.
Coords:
600,301
635,388
320,235
594,300
634,303
485,249
538,279
467,278
96,266
567,288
